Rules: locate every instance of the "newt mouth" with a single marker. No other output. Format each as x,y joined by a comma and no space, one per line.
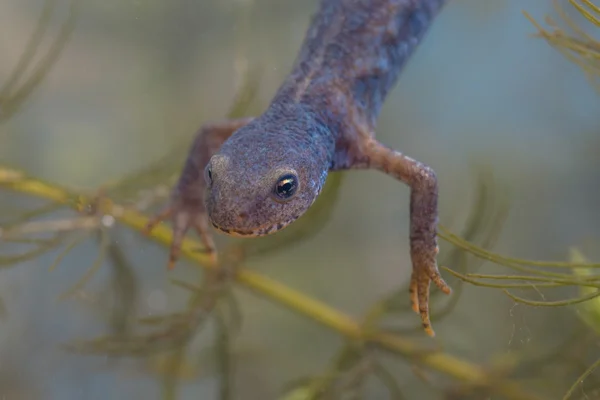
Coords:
261,231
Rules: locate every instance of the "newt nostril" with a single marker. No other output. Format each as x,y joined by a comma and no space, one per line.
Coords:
243,216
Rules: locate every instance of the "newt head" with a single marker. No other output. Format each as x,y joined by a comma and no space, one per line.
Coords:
260,182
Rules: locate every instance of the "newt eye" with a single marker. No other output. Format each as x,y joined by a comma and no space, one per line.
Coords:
286,186
208,174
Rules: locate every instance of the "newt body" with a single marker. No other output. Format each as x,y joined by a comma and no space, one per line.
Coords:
254,176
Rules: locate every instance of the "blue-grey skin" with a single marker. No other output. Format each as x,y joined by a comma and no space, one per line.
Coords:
252,177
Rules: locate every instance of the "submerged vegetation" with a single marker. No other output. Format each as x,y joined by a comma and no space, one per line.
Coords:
572,41
17,89
369,340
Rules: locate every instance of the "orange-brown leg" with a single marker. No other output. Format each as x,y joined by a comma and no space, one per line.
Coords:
186,208
423,219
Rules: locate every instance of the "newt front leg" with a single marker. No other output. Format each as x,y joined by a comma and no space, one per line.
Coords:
423,220
186,207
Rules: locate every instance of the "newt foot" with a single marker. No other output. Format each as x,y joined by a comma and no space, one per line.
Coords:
425,270
184,217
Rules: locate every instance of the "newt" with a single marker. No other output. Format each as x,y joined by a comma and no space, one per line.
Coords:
253,177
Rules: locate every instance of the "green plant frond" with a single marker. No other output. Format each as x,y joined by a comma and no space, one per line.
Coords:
225,363
388,380
484,229
531,280
47,62
233,307
102,252
30,50
176,334
510,262
235,313
175,364
580,380
167,319
26,229
40,248
65,225
558,303
299,391
124,290
192,287
576,46
25,216
11,100
589,281
68,248
137,347
592,15
31,241
234,317
342,363
348,370
588,312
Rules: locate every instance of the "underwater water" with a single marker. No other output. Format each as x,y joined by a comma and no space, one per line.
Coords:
137,78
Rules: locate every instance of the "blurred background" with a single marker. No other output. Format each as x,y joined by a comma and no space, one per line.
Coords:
138,77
